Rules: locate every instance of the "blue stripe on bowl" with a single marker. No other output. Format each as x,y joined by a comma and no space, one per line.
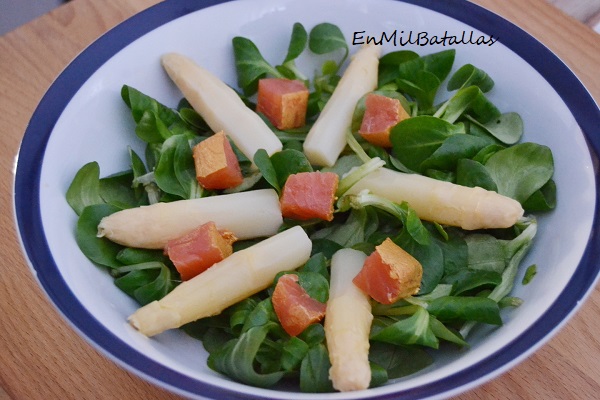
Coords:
27,192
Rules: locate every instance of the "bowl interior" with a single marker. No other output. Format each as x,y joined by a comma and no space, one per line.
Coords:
95,125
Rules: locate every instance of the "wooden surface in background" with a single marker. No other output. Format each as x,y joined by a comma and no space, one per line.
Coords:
586,11
42,357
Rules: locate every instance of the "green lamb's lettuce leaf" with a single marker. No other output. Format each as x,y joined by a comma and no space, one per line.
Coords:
193,119
314,371
250,65
456,308
388,65
151,128
88,189
398,360
430,256
403,212
355,230
439,63
145,282
326,38
98,249
521,170
421,85
530,273
315,284
543,199
137,167
452,150
130,256
260,315
140,103
298,43
213,337
296,47
416,139
507,127
454,108
324,246
514,251
408,331
379,375
469,75
175,173
117,190
442,332
288,162
292,353
152,118
421,77
468,279
317,263
472,173
278,167
313,335
454,249
265,165
240,312
486,252
84,190
237,358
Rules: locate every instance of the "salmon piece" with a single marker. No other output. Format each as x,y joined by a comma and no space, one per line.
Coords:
216,165
382,113
283,102
389,274
294,307
308,195
198,250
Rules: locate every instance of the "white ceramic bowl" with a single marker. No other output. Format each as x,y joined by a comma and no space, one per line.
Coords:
82,118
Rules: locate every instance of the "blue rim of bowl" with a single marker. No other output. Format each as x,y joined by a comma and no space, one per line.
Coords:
28,214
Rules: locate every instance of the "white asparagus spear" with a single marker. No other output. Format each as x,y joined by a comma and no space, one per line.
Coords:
247,215
327,137
220,106
237,277
443,202
347,324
